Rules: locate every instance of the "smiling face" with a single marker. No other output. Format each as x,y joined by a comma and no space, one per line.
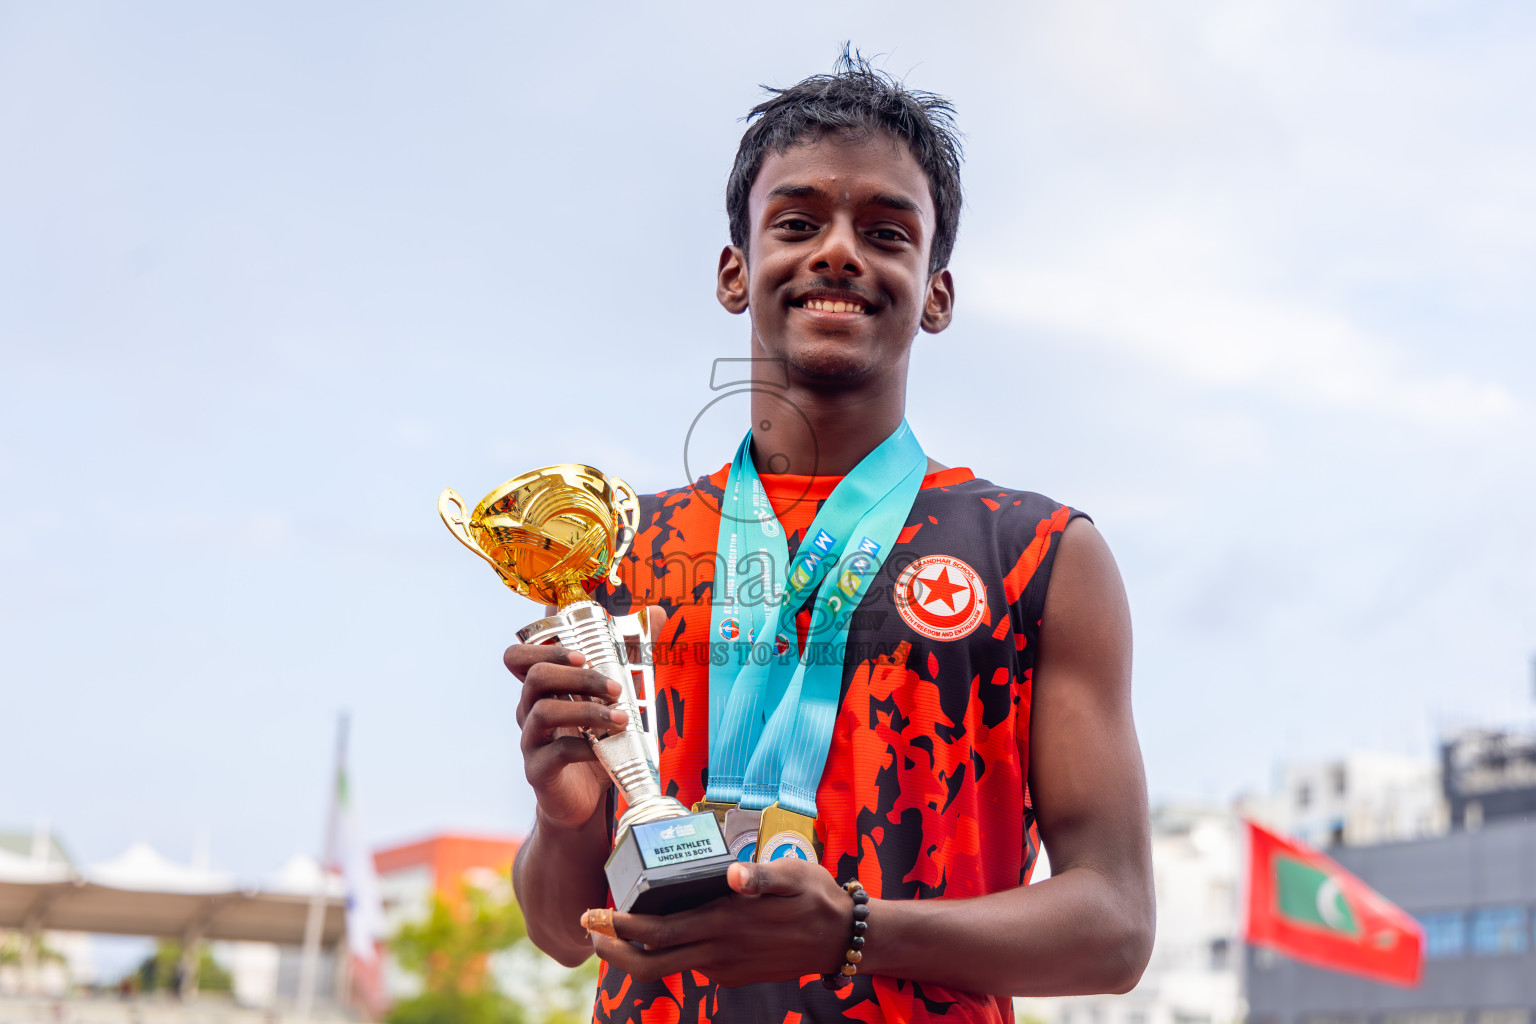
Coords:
837,281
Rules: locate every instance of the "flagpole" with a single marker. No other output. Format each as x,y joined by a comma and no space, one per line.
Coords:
1244,951
314,923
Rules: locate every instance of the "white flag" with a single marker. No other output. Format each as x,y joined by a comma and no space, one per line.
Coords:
365,911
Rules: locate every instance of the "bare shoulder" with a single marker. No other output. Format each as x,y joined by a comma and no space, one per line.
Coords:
1085,761
1085,607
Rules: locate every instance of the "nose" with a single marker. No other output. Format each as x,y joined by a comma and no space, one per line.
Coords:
838,253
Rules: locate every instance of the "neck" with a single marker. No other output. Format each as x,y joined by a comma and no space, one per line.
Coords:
819,431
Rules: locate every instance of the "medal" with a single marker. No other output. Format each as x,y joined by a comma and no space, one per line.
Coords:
772,706
718,809
787,834
741,828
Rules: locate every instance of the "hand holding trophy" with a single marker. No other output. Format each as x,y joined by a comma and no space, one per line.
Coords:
551,534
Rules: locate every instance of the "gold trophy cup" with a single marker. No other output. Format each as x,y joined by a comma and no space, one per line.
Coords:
551,535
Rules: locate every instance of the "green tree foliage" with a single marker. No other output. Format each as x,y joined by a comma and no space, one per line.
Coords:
163,969
579,988
448,950
13,946
456,1008
451,952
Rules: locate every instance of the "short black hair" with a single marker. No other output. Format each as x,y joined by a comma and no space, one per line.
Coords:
855,100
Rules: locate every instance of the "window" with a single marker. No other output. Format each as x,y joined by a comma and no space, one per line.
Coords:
1472,817
1303,795
1504,1017
1445,935
1497,930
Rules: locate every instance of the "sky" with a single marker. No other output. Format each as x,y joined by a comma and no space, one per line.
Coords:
1249,283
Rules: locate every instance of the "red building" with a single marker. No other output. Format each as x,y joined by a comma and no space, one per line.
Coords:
410,874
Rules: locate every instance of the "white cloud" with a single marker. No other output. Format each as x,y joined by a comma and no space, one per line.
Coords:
1170,290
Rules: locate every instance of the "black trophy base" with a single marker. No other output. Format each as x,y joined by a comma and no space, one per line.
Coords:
665,866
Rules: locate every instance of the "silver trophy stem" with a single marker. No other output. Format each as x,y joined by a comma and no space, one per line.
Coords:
626,756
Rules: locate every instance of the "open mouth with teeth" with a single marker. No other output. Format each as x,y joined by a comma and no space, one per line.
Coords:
831,305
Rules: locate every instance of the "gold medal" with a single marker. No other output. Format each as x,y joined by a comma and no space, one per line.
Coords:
716,808
784,833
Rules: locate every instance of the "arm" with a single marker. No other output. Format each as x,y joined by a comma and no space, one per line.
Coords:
557,875
559,868
1086,929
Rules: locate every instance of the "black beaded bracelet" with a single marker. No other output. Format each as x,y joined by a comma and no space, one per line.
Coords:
855,953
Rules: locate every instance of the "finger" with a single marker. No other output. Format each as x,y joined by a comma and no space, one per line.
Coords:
550,715
704,924
599,922
775,878
654,617
519,658
542,764
547,679
638,649
649,965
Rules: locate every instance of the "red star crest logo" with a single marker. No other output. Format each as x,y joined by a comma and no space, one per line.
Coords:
941,597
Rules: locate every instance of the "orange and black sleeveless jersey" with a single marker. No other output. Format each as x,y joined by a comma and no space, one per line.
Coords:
926,790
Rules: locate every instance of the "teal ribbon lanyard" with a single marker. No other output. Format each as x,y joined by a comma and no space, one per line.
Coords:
772,706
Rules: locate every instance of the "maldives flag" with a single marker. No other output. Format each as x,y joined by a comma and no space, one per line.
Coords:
1306,906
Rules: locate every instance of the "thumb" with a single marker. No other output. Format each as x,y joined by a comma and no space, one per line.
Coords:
646,623
775,878
652,618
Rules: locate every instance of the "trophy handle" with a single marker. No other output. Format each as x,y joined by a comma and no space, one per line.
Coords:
628,508
456,517
631,756
637,627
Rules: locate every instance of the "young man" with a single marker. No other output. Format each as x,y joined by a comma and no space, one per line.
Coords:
980,696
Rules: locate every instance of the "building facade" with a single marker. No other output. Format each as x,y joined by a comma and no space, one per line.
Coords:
411,874
1193,976
1490,775
1356,800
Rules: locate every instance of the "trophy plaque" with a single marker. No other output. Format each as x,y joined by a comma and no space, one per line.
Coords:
551,535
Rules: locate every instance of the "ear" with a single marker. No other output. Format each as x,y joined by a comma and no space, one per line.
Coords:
939,306
731,280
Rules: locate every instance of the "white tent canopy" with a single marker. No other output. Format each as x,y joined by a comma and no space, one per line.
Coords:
14,868
141,892
299,875
142,868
